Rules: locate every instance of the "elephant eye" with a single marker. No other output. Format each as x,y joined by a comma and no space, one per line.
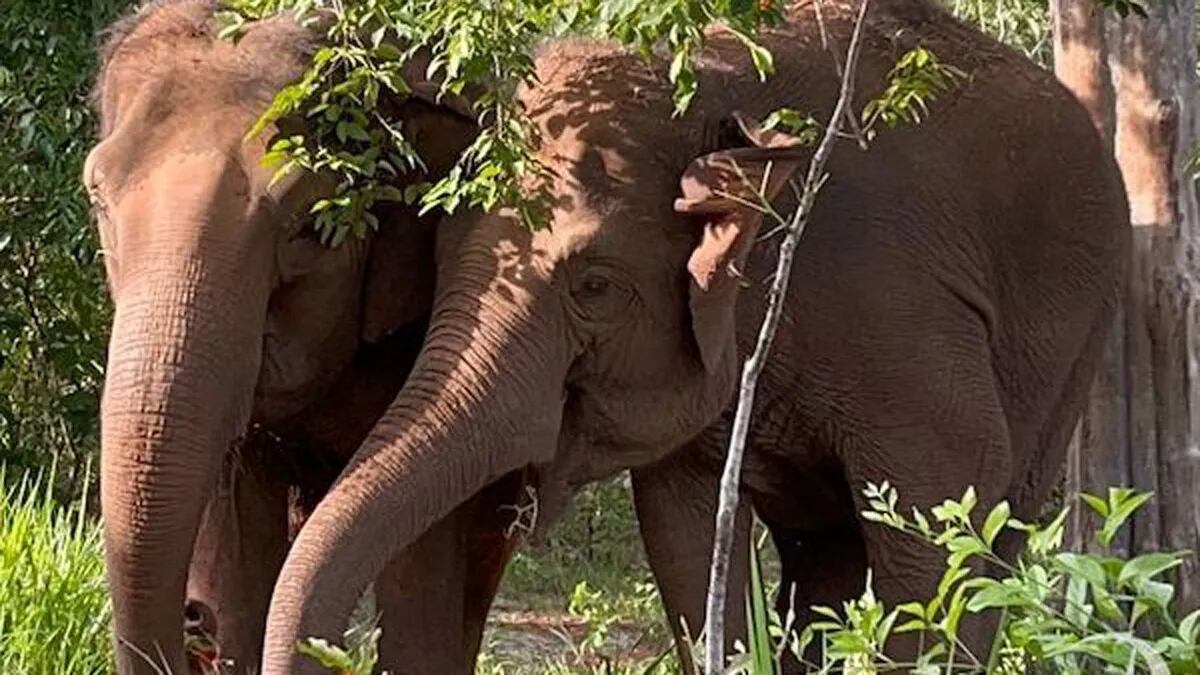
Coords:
593,286
600,295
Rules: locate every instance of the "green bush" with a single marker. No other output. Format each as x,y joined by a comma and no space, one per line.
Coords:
596,539
54,318
1059,612
1021,24
54,610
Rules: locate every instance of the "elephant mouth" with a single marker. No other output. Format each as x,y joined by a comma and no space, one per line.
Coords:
573,466
295,459
552,494
279,397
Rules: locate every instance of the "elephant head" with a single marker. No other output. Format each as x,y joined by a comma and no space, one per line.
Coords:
602,342
226,305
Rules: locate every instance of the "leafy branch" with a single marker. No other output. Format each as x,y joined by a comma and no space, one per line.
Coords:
472,46
1072,611
1059,612
727,505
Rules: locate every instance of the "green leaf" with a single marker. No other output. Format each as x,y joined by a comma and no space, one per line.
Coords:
1147,566
282,172
1122,503
1189,627
827,612
679,63
325,653
685,90
760,56
232,24
954,611
966,545
387,52
1043,541
995,595
760,644
995,522
1106,605
1076,609
912,626
1095,504
969,500
1083,566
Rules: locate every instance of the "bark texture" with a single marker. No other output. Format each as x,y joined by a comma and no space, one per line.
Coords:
1137,78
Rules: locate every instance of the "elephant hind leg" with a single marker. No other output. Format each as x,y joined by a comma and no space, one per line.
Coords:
819,568
241,546
824,568
1042,422
937,426
676,502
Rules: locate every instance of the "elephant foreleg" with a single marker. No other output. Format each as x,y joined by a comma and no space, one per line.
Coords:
238,552
435,596
490,545
420,598
676,502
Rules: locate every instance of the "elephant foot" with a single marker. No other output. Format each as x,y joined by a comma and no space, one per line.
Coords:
199,639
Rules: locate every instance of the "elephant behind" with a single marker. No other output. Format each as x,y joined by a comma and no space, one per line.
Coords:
947,310
248,360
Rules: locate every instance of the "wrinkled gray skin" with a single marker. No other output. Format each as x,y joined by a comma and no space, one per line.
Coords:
947,309
248,360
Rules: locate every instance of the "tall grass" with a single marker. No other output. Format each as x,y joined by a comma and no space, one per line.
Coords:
55,613
54,610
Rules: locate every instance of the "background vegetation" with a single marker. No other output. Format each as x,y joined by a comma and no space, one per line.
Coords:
54,311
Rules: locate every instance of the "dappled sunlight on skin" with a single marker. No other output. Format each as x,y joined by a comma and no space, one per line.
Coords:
607,150
518,259
595,345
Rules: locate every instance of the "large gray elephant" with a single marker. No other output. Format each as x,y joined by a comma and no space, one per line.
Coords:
248,360
947,310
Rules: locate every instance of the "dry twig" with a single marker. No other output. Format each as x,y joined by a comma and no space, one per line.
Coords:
714,661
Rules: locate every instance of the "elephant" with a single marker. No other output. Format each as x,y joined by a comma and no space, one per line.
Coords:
248,360
947,309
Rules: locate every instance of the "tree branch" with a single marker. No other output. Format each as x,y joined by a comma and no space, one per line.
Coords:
731,476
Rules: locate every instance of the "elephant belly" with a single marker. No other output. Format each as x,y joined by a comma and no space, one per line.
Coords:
809,497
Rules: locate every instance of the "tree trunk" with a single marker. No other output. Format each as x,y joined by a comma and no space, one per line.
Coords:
1080,58
1142,425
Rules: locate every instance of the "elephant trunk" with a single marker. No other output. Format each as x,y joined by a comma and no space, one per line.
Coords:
485,398
182,366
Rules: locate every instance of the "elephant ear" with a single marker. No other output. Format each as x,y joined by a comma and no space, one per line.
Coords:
400,273
399,283
719,190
